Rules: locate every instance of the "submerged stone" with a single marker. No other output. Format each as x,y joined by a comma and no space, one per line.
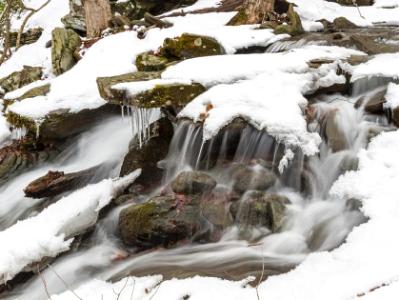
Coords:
189,46
20,78
65,42
159,222
252,178
193,182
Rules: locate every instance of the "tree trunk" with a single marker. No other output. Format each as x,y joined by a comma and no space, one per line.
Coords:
97,14
253,12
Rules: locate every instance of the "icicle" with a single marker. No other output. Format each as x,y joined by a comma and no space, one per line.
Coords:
38,123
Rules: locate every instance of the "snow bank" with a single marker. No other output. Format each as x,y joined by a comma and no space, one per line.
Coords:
382,65
113,55
366,264
51,232
383,11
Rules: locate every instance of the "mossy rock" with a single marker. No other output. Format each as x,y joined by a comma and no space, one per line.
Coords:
35,92
295,25
60,124
115,96
190,46
148,62
20,78
193,182
64,44
176,95
159,222
260,209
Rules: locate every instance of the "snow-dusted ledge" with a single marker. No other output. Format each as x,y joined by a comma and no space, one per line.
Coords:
51,232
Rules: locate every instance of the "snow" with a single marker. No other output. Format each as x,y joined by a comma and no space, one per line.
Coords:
312,10
265,89
382,65
366,264
392,96
115,54
51,231
5,132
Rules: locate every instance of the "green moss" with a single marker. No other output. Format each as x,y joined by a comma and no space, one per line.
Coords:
295,25
240,18
168,95
190,46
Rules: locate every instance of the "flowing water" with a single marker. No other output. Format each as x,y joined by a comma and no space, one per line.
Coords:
313,221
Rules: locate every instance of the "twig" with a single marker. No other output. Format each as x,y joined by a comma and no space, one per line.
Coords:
156,291
123,287
358,9
44,283
32,12
64,282
134,285
261,275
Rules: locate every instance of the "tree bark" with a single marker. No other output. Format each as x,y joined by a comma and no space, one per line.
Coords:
98,14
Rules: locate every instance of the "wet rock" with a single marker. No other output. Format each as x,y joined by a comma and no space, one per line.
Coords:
189,46
352,3
374,104
252,178
65,42
149,62
334,134
193,182
20,78
353,204
159,222
372,46
22,154
395,116
55,183
62,123
260,209
149,154
124,198
28,37
175,95
294,26
115,96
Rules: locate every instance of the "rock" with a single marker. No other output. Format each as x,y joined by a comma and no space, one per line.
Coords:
351,3
252,178
260,209
334,134
343,23
374,104
395,116
23,154
62,123
55,183
65,42
189,46
193,182
159,222
76,18
149,62
115,96
175,95
149,154
123,199
21,78
28,37
294,27
37,91
372,46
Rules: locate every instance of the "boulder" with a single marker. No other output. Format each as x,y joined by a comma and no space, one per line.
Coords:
23,154
28,37
149,62
115,96
189,46
260,209
76,18
159,222
62,123
149,154
65,43
193,182
20,78
55,183
343,23
335,136
252,178
372,46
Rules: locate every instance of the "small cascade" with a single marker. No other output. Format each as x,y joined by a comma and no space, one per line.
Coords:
281,46
366,84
